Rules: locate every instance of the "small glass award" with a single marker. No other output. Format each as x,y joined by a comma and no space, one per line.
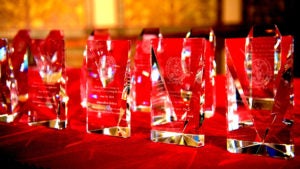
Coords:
14,73
141,87
47,80
260,114
178,90
108,87
4,91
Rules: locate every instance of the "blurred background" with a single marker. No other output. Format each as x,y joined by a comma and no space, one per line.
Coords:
127,18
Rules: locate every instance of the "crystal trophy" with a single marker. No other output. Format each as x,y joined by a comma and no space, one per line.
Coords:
48,100
141,86
108,87
97,34
5,110
260,113
177,95
14,74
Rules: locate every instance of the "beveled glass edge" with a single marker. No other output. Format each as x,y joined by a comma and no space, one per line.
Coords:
143,108
261,148
116,131
183,139
8,118
55,123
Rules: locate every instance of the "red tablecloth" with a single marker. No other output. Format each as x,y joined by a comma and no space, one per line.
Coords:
24,146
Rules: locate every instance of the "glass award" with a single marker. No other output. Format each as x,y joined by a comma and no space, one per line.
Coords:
178,90
14,76
108,87
97,34
141,86
5,111
260,113
48,100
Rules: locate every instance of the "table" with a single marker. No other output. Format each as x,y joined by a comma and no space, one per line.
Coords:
23,146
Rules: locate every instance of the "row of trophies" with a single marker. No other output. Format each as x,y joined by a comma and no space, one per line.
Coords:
172,78
33,79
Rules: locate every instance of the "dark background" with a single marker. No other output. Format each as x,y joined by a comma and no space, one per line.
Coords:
283,13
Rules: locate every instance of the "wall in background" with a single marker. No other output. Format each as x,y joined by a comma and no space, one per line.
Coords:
126,18
77,17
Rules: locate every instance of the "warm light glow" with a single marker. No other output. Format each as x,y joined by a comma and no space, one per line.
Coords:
232,12
105,13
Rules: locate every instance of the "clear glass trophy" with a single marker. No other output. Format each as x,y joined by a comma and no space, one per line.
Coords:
108,87
178,91
14,76
4,91
141,86
48,100
260,113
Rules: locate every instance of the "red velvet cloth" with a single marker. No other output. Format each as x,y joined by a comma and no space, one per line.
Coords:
26,146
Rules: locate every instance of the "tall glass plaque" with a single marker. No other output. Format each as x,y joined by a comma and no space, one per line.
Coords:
48,100
15,68
260,68
108,87
177,96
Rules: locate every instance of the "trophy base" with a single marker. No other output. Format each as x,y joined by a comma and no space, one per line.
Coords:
116,131
8,118
260,103
142,108
184,139
56,123
259,148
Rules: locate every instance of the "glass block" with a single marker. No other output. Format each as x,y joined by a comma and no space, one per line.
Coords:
108,87
260,93
178,91
48,100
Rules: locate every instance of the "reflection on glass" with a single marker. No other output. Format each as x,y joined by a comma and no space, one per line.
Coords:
210,67
141,87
